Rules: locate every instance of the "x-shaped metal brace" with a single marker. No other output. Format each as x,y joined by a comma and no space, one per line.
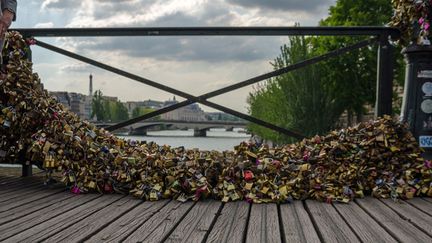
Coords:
203,99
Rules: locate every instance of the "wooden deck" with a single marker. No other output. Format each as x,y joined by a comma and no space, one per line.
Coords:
31,212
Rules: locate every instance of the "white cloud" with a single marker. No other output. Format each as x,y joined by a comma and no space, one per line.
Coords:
44,25
192,64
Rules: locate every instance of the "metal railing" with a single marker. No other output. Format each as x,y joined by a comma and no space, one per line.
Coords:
380,36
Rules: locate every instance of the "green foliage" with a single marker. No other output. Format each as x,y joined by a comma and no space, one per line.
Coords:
310,100
106,110
299,100
354,74
98,108
118,111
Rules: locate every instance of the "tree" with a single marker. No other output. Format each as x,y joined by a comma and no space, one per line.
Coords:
98,108
345,83
354,74
106,110
118,111
298,100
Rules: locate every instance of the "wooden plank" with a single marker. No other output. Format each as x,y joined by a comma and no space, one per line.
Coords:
128,223
86,227
19,186
5,178
20,224
63,221
412,214
15,179
196,224
263,224
399,228
297,225
367,229
161,224
18,194
422,205
331,226
28,208
231,225
28,198
427,199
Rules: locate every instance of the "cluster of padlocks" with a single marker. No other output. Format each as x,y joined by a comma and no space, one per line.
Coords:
379,157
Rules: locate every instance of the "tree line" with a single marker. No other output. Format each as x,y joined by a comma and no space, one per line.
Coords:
113,111
311,100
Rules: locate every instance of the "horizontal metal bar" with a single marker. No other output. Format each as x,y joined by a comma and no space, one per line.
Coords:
211,31
166,88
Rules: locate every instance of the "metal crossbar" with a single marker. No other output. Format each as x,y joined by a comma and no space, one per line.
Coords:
200,31
248,82
381,34
168,89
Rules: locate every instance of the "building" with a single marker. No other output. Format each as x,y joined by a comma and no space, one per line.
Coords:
78,103
221,116
190,112
62,97
132,105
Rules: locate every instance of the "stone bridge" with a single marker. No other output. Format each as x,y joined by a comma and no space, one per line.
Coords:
200,127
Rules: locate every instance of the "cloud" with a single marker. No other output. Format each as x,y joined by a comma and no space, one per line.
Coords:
283,5
76,67
44,25
195,64
202,48
60,5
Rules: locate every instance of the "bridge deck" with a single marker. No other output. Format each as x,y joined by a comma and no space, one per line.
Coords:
30,212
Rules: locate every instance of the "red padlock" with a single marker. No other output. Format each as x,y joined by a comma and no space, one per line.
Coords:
248,175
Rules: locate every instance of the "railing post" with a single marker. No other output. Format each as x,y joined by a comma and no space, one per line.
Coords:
26,164
385,64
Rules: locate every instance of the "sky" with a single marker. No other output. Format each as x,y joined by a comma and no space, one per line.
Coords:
195,65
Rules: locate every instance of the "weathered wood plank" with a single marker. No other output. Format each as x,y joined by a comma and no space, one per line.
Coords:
19,186
39,217
330,224
231,225
427,199
28,197
128,223
367,229
14,179
157,227
5,178
86,227
399,228
15,195
422,205
412,214
263,224
297,225
197,222
28,208
63,221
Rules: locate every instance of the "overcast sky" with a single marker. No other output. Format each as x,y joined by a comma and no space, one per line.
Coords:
192,64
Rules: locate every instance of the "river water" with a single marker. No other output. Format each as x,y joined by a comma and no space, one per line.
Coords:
217,139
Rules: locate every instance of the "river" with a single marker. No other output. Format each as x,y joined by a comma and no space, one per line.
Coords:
217,139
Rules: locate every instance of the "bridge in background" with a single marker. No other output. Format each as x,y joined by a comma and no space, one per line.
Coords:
200,127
